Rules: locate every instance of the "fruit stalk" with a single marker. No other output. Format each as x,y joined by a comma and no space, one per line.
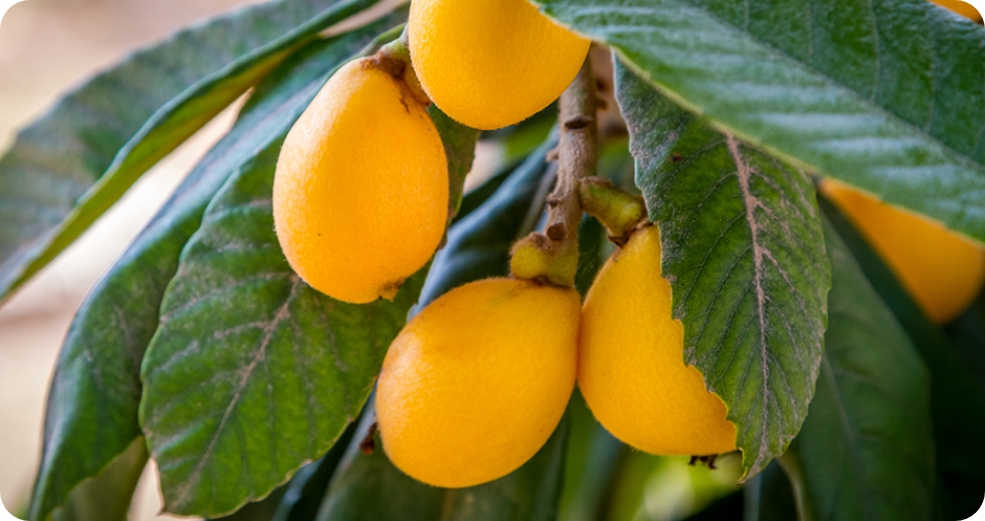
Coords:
552,256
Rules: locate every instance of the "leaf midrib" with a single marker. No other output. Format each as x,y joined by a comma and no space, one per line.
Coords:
750,202
281,315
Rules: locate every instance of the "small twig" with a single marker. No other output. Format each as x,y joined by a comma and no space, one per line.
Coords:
577,152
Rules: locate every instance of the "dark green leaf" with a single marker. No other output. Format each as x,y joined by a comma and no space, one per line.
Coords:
726,508
252,373
769,496
967,334
310,485
106,497
478,246
459,142
744,252
91,415
58,178
262,510
628,487
957,400
370,488
886,95
479,194
866,449
592,458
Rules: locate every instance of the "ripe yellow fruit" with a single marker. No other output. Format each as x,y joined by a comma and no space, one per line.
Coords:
941,270
475,384
631,360
491,63
361,188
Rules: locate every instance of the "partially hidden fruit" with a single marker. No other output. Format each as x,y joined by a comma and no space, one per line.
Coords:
491,63
631,360
361,188
475,384
941,270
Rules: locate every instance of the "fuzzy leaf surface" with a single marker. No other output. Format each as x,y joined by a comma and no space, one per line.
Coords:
743,250
866,450
886,95
74,163
252,373
91,415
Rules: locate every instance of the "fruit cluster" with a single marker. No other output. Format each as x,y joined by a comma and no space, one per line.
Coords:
476,383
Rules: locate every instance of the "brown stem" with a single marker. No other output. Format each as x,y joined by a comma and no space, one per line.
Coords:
553,255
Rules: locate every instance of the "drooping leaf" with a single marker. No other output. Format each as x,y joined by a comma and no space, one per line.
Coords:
459,142
886,95
725,508
252,373
91,415
769,496
957,401
628,487
106,496
72,165
262,510
310,485
967,334
370,488
866,449
744,252
478,195
592,459
478,246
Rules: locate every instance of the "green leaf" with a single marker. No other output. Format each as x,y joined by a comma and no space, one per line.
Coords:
590,464
886,95
310,485
478,245
725,508
459,142
967,334
106,497
744,252
769,496
370,488
262,510
957,400
72,165
866,449
91,416
479,194
252,373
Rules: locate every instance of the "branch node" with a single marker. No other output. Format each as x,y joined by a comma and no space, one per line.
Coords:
557,232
